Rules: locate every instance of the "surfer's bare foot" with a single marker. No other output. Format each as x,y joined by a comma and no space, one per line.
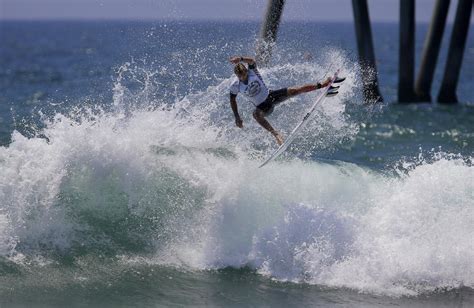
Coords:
279,138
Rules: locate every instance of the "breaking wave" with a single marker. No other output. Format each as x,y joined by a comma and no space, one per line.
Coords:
176,184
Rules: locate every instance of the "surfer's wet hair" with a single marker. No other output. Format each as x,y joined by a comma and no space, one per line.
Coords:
240,69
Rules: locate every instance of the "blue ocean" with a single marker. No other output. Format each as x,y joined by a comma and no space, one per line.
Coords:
125,182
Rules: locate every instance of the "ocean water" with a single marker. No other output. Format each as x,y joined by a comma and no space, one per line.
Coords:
124,181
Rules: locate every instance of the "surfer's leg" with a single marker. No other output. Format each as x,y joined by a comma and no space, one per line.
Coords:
302,89
259,116
278,96
307,87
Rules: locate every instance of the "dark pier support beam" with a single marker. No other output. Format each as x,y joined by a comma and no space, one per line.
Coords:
447,93
269,31
431,51
366,51
406,61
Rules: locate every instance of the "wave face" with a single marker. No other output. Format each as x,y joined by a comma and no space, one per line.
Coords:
177,185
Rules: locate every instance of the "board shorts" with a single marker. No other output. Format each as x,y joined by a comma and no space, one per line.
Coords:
273,98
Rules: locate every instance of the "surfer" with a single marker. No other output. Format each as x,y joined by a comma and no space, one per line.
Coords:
251,84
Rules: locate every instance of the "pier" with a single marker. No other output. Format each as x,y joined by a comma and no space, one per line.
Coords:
409,89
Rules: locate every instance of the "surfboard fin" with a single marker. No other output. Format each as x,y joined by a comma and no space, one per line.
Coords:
339,79
333,88
330,94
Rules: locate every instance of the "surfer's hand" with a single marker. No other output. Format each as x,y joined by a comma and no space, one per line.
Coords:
238,122
234,60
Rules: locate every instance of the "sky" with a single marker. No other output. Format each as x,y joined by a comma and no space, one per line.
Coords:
301,10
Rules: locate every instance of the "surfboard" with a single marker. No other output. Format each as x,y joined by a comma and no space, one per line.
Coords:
327,92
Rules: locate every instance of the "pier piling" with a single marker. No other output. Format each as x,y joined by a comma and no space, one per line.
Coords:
406,61
447,93
269,31
366,51
431,51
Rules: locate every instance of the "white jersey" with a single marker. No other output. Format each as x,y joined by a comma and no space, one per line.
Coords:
255,89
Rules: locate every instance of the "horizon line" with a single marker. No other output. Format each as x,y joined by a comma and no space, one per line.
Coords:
107,19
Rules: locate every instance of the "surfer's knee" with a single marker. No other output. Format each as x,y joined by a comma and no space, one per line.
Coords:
258,114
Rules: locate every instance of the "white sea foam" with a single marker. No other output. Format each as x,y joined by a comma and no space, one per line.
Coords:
341,226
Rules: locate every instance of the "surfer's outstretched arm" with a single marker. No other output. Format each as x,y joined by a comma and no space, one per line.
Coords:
235,110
